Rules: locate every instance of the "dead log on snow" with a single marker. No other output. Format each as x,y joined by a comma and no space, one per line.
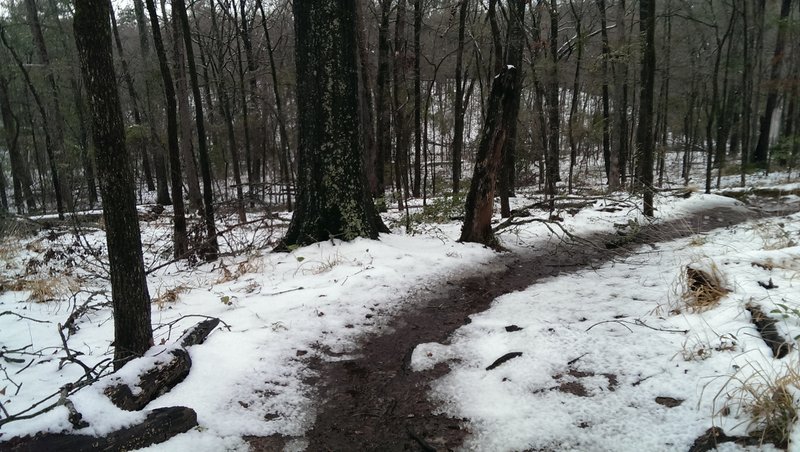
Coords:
769,332
164,375
160,425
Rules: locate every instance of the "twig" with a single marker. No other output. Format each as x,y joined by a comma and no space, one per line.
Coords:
24,317
70,356
637,322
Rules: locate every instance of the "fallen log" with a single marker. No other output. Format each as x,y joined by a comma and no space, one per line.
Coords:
152,383
160,425
769,332
163,375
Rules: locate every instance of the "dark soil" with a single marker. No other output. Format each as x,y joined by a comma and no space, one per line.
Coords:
375,402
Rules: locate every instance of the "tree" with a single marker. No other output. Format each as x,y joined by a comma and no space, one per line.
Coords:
179,237
760,155
133,333
644,133
333,200
500,115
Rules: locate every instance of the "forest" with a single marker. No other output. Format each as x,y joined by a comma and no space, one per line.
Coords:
351,208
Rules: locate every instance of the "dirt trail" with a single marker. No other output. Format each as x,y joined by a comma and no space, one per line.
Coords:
376,403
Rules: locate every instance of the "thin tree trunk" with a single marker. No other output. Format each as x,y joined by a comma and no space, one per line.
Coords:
417,98
185,119
460,106
211,248
20,176
383,103
553,113
573,146
48,139
610,159
285,157
621,97
179,236
644,132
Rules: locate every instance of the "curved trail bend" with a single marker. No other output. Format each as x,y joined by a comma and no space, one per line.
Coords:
375,402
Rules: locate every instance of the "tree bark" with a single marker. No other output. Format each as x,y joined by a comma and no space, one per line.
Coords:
130,298
179,236
644,132
460,106
210,249
20,176
500,114
761,154
383,102
333,199
611,161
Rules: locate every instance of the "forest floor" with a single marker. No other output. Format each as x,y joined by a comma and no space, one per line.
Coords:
579,337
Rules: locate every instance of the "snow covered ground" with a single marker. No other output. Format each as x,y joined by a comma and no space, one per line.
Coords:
604,350
280,310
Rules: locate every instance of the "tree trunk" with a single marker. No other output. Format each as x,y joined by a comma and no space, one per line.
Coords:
56,117
417,99
553,113
611,161
644,132
621,97
285,157
137,117
508,170
459,109
366,103
383,102
185,118
573,145
401,131
179,237
333,200
761,154
500,114
20,176
130,298
210,249
48,139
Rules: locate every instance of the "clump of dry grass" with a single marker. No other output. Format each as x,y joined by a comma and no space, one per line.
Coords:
44,289
768,397
702,288
170,295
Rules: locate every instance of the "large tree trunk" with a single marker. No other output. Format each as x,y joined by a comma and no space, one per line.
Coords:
508,168
179,237
210,249
761,154
130,298
333,199
500,114
644,132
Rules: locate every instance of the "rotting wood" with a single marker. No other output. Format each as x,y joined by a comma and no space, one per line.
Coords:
769,332
160,425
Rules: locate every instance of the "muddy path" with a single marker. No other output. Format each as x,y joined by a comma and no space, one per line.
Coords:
375,402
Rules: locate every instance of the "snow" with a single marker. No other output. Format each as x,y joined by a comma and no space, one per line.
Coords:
281,310
611,330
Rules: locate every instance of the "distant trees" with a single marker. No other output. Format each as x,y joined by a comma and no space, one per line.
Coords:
130,298
724,100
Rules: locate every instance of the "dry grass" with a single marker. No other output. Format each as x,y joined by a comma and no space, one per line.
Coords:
702,287
768,398
44,289
170,295
774,236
